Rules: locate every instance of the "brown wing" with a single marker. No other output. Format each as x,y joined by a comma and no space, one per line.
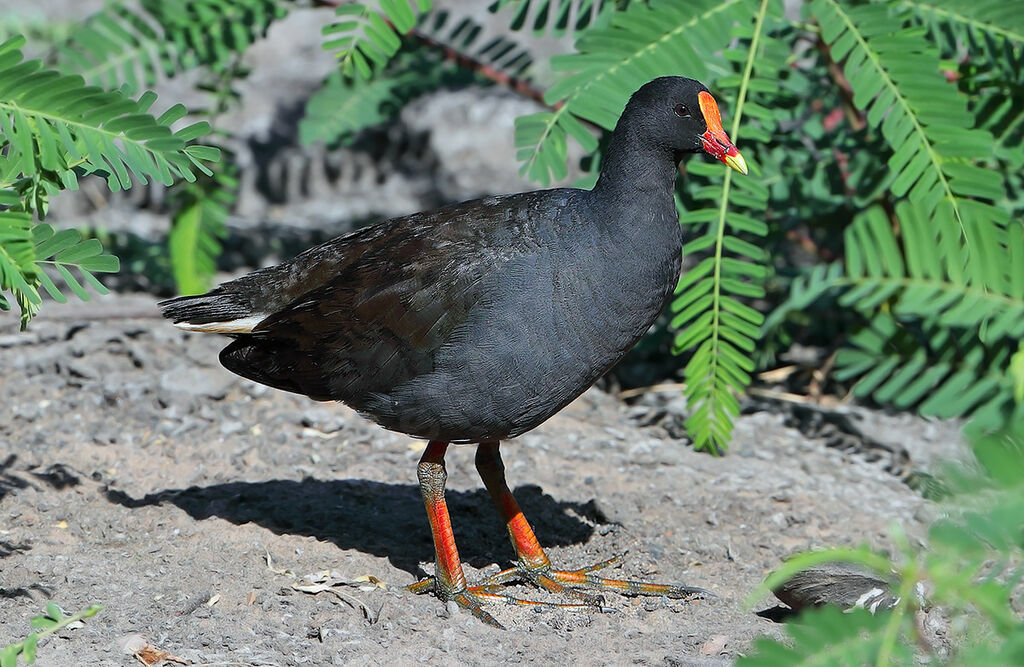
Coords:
388,298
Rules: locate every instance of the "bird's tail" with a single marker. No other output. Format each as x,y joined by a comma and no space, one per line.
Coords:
222,310
239,305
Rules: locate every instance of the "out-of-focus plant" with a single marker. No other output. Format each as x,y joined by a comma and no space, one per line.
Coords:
50,621
55,129
970,570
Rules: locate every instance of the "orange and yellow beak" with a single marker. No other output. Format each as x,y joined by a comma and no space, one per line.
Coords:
716,141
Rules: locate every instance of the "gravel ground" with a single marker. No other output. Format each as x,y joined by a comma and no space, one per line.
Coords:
137,474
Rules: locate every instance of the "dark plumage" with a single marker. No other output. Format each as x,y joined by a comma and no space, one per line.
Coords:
478,321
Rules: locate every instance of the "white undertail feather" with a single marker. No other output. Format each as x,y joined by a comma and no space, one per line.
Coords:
242,325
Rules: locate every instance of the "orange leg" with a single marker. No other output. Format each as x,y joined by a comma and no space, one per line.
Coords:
449,581
432,474
533,565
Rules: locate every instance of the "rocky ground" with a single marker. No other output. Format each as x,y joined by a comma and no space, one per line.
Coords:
137,474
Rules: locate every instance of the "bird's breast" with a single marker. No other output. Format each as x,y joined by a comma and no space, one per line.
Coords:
548,324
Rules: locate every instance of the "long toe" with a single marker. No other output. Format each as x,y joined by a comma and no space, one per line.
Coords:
583,584
473,598
572,579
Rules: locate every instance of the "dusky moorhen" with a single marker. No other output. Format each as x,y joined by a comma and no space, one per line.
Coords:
476,322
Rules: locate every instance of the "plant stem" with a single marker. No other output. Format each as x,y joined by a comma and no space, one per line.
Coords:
892,627
835,72
88,612
716,305
451,54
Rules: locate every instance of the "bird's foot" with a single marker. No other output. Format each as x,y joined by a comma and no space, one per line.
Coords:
472,598
579,583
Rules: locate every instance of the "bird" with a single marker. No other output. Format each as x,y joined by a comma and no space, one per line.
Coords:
475,322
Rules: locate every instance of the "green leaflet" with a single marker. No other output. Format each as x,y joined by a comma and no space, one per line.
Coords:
52,620
967,306
894,73
344,106
133,48
943,324
197,227
55,128
366,37
17,255
992,17
554,17
825,636
84,127
709,311
645,41
992,33
31,255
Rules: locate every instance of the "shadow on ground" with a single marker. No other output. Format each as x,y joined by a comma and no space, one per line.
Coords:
377,518
9,482
57,476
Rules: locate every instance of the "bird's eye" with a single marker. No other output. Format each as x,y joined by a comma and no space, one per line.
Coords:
682,111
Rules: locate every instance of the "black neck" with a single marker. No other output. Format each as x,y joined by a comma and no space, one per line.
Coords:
634,170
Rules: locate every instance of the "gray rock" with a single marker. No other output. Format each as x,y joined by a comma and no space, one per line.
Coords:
472,133
209,382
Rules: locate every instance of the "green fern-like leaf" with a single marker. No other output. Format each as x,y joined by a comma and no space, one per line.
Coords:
943,323
804,290
985,41
65,250
198,225
981,291
122,46
987,17
945,376
647,40
368,36
465,36
555,17
53,129
826,636
51,122
17,257
343,106
894,73
346,105
30,253
709,309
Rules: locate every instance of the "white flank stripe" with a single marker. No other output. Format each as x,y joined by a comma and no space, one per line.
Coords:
863,599
241,325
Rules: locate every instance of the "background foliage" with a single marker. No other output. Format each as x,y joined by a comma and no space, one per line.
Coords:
56,129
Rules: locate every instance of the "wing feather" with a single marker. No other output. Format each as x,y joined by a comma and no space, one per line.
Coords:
389,303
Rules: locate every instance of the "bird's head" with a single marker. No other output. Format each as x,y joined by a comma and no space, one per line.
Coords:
681,114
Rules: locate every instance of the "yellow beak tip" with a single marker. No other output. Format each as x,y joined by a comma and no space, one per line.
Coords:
736,162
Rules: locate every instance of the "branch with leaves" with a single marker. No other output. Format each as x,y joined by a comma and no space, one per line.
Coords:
55,129
46,624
